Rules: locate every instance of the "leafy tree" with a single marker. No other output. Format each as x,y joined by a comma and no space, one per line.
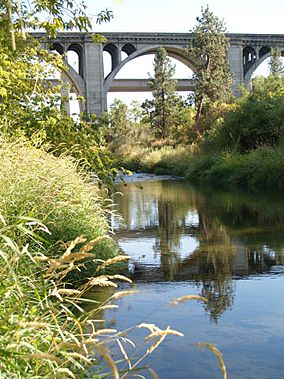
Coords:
209,51
16,16
269,87
118,124
257,120
275,64
29,107
165,100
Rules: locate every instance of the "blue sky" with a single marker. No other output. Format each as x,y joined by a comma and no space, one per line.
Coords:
241,16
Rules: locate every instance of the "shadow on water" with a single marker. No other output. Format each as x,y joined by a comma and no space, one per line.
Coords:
174,232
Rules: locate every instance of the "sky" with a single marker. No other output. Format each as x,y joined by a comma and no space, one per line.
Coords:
240,16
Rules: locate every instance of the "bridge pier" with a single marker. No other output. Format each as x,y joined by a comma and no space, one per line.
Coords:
235,57
94,79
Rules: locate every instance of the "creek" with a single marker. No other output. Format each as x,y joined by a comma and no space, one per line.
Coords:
226,246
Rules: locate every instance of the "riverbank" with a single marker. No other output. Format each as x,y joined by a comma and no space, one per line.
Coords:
260,169
164,161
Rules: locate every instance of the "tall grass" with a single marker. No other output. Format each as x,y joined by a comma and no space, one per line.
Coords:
164,160
261,169
36,185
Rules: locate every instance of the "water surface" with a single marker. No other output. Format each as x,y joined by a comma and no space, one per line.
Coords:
228,247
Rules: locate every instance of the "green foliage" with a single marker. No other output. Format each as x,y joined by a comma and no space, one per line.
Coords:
124,128
257,120
29,104
265,88
275,64
208,51
38,185
261,169
17,16
164,160
162,111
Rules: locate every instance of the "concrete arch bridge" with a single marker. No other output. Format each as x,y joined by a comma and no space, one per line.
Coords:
246,52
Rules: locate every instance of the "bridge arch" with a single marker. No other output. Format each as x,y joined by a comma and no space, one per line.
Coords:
58,47
173,51
264,53
128,48
249,57
70,75
78,49
78,85
112,49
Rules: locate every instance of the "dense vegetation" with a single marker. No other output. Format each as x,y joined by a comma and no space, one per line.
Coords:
210,137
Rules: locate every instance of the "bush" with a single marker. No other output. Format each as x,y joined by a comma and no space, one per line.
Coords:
257,120
255,123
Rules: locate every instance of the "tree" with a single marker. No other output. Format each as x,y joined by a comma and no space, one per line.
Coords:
209,52
16,16
28,105
161,109
275,64
119,124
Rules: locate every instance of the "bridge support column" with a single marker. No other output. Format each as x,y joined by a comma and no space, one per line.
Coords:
94,78
235,56
65,95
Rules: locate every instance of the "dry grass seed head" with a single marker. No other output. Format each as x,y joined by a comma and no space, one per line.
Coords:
217,353
111,261
157,332
153,373
121,294
105,354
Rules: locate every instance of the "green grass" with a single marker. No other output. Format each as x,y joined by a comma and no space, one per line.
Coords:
37,185
261,169
164,160
44,331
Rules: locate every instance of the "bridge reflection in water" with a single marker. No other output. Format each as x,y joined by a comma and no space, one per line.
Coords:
174,233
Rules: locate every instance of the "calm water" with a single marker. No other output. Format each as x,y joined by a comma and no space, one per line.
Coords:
227,247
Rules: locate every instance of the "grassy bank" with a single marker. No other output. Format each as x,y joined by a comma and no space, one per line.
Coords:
261,169
37,185
44,332
167,160
49,329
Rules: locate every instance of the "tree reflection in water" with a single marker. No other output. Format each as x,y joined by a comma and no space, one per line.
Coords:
204,237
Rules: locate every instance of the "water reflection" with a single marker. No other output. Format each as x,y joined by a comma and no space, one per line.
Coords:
175,233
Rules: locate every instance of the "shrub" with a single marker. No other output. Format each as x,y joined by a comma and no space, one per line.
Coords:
257,120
